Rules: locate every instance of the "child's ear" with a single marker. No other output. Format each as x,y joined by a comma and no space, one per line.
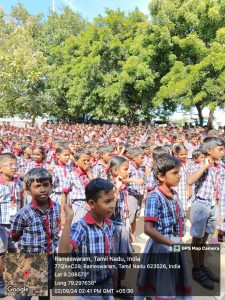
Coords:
161,177
209,151
91,203
115,172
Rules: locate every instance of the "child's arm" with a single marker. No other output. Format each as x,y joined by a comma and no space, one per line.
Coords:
149,229
64,245
118,185
195,176
18,226
134,180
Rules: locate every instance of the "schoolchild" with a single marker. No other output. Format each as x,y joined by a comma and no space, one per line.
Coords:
198,156
191,144
81,175
92,234
183,190
136,187
61,176
5,242
36,226
24,159
38,156
8,177
120,217
151,181
72,149
208,178
101,168
94,155
164,223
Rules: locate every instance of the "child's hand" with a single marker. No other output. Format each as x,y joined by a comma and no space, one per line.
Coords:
68,209
20,174
207,162
139,180
50,169
119,182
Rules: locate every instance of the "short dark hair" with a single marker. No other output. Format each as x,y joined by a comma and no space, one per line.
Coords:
5,156
105,149
116,161
179,147
210,143
196,153
38,175
24,147
79,153
61,148
40,149
95,187
164,163
159,150
135,152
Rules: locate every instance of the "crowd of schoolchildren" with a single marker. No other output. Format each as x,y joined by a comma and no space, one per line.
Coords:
80,188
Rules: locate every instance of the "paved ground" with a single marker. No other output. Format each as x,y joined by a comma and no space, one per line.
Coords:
139,246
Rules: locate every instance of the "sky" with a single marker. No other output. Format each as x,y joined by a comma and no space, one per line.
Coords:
88,8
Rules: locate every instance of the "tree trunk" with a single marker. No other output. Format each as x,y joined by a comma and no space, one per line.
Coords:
33,121
211,118
200,115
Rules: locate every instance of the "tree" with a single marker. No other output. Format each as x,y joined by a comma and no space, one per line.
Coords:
56,35
23,68
104,68
196,32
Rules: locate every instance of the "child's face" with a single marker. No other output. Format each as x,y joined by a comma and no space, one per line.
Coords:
83,162
194,140
182,155
171,178
40,191
200,158
106,157
147,151
179,140
122,170
28,151
94,154
37,155
72,147
105,204
9,167
64,156
216,153
139,159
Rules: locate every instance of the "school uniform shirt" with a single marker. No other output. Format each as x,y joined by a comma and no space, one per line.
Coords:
50,155
147,161
61,177
150,182
121,211
5,199
100,171
222,203
88,239
136,172
22,164
37,230
166,212
16,191
182,187
34,164
209,186
78,182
